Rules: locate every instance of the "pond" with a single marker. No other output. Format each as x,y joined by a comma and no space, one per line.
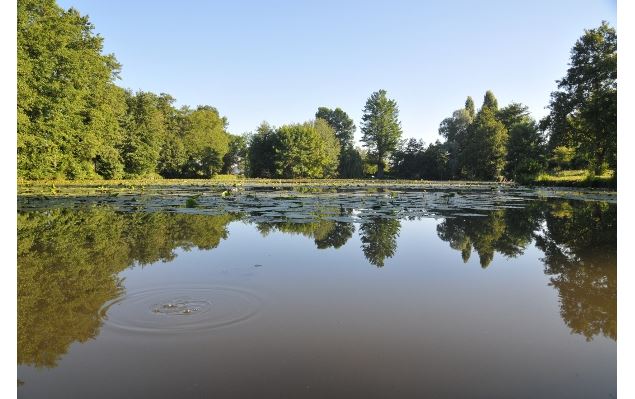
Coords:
479,292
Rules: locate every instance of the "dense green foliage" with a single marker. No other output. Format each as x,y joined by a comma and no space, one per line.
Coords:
477,146
74,122
351,164
455,130
68,106
310,149
526,152
583,112
235,160
381,128
412,159
350,160
341,123
485,148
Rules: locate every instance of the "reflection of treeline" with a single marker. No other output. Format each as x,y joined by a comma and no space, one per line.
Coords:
506,231
68,259
68,262
579,245
326,233
378,235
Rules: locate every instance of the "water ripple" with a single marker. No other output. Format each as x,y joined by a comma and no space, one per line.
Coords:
180,309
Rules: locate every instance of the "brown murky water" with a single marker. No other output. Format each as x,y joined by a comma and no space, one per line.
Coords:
376,295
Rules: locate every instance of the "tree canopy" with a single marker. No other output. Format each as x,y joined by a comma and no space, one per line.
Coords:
341,123
583,112
381,128
68,105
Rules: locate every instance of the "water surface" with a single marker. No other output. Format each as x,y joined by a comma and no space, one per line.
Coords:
398,293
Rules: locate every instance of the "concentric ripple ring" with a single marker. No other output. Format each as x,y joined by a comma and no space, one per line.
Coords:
180,309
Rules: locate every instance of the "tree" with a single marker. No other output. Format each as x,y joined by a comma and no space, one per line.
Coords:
351,165
300,150
469,107
525,147
381,128
583,112
561,157
206,142
514,114
344,127
340,122
490,101
455,131
68,106
435,161
379,239
407,159
525,152
172,157
236,155
260,155
486,142
145,132
329,147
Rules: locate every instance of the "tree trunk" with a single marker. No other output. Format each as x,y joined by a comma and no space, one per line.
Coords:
380,169
599,162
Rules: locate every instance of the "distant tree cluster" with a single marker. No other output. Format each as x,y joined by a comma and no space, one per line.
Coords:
309,150
490,144
74,122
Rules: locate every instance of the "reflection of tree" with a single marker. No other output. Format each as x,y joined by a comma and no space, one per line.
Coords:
578,240
68,262
379,239
326,233
337,236
579,244
506,231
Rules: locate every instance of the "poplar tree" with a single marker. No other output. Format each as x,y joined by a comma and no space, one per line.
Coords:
487,140
381,128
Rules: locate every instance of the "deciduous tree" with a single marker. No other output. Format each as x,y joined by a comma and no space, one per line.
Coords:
583,112
381,128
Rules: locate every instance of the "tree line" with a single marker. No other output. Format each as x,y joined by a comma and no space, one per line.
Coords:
74,122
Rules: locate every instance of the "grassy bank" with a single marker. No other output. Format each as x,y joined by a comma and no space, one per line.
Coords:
576,178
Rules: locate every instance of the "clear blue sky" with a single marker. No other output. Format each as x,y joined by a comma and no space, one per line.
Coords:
280,60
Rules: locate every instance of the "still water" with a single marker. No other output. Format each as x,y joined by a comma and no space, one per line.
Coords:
374,295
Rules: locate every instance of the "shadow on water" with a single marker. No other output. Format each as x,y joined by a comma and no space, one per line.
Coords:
69,259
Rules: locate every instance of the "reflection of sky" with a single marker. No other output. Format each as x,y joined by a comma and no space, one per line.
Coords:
330,319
